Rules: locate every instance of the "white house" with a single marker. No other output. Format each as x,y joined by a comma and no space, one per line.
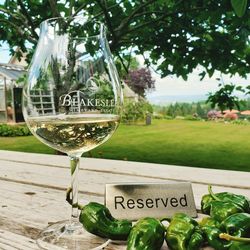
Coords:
10,94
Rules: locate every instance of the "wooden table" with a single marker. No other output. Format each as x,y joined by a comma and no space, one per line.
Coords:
33,189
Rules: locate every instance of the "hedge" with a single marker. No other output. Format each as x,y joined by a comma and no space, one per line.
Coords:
14,130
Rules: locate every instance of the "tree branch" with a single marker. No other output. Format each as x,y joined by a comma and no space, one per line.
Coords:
108,9
148,13
126,22
15,16
54,9
19,31
151,67
79,9
129,60
106,15
28,18
107,18
160,19
71,6
123,64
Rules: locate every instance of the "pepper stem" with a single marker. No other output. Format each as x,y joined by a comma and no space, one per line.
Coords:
74,167
212,193
70,201
229,237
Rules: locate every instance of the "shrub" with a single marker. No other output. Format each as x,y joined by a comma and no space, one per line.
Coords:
230,116
240,122
179,117
192,118
14,130
136,111
158,116
214,114
168,117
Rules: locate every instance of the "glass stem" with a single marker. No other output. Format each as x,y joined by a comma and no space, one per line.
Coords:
74,168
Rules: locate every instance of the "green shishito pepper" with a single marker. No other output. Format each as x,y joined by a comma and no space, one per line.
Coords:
240,246
212,234
237,225
97,219
209,222
184,233
239,200
147,234
213,238
220,210
237,243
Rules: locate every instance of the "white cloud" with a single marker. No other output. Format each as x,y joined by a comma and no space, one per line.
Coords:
172,85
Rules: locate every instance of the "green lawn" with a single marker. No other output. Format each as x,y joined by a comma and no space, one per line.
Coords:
178,142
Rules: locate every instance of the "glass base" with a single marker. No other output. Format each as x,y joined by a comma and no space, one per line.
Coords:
67,235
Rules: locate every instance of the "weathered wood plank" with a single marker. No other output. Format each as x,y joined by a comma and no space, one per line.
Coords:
91,182
33,206
11,241
17,241
196,175
33,189
4,246
115,246
27,215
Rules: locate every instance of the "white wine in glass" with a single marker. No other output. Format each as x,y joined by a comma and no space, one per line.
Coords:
72,103
74,134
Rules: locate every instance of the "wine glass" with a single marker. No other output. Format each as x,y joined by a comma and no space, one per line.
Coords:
72,103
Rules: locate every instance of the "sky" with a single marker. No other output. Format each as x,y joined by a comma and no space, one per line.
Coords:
4,53
173,86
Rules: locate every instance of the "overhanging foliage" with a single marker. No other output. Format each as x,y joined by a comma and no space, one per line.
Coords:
178,33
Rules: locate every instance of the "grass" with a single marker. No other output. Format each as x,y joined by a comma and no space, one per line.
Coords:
177,142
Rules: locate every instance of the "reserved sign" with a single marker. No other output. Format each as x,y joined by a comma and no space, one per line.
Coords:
137,200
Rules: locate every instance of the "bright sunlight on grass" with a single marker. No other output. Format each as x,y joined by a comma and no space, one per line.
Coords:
188,143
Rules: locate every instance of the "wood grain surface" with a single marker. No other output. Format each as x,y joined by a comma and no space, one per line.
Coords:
33,190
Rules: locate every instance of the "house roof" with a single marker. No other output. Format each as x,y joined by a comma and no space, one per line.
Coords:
10,71
235,111
246,112
19,61
128,92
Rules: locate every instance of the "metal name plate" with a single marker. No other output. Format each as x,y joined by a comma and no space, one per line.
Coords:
137,200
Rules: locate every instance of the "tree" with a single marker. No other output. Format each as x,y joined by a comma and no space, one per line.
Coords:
225,97
170,111
140,81
126,63
186,108
199,110
181,34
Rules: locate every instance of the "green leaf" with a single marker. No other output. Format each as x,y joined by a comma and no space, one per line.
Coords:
239,7
239,88
202,75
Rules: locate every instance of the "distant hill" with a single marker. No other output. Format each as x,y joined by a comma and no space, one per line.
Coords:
166,99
